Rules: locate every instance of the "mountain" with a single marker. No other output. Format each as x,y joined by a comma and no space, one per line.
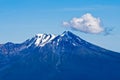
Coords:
57,57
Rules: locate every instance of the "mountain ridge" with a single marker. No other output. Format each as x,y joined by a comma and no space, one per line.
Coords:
34,39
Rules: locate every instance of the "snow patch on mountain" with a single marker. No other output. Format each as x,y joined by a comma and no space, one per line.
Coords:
42,39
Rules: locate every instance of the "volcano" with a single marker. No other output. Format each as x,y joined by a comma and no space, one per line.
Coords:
57,57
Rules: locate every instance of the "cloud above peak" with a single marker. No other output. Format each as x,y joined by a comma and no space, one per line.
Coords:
86,23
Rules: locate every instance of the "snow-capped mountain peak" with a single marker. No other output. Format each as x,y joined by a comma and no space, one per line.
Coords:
66,57
42,39
66,33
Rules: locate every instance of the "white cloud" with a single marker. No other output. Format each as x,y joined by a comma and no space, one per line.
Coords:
66,24
87,24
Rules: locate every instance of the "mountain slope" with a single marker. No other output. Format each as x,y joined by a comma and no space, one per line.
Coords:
62,57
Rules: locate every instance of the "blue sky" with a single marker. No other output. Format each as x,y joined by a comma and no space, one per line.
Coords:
22,19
